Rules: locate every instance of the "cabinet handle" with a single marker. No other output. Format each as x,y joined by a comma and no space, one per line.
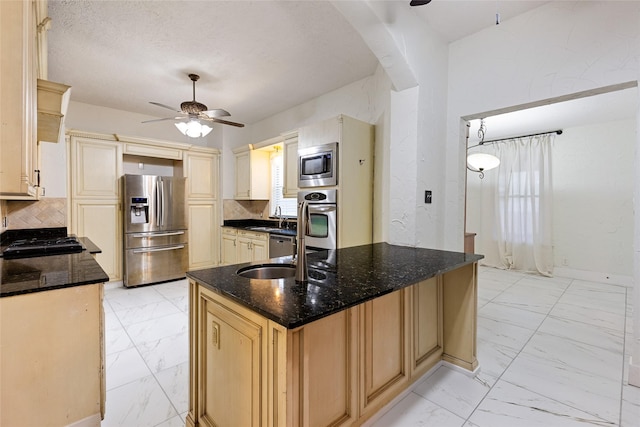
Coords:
215,335
37,171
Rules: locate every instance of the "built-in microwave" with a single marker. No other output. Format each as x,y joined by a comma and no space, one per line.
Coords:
318,166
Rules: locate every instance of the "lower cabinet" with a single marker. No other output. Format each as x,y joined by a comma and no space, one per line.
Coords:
236,339
240,246
52,366
247,370
229,242
384,341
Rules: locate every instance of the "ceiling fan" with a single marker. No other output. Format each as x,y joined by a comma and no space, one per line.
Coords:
194,111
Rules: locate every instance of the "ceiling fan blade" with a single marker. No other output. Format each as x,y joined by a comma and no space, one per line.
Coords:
419,2
224,122
161,120
216,112
165,106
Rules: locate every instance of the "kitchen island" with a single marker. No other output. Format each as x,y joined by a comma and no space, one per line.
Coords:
370,322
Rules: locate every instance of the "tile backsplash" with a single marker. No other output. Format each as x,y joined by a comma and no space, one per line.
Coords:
46,212
245,209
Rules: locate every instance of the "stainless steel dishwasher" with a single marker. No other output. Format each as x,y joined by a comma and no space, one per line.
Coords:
280,245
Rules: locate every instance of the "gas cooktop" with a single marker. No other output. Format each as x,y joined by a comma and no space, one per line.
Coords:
42,247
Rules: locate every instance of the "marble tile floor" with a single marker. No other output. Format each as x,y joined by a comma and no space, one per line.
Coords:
552,353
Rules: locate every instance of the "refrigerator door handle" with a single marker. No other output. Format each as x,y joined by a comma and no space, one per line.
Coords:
162,201
173,233
167,248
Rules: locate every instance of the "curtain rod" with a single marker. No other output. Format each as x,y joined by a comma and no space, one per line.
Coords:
557,131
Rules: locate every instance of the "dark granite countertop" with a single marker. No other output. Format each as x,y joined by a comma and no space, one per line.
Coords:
338,279
263,225
44,273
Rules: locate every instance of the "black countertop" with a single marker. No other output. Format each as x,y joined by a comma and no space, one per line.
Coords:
338,279
44,273
263,226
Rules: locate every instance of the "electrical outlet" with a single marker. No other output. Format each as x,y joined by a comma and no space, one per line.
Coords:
4,221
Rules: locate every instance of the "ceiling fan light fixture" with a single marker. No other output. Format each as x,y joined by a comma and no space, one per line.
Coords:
193,128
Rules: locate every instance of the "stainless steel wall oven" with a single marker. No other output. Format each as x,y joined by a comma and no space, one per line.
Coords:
323,212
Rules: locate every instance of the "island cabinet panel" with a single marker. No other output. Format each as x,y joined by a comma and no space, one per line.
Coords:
384,338
231,373
322,368
426,348
460,302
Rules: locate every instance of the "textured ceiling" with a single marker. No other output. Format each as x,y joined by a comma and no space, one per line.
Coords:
255,58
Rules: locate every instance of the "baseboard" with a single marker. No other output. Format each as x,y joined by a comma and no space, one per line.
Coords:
91,421
593,276
113,285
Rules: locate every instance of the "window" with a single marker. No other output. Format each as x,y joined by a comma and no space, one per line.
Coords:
288,205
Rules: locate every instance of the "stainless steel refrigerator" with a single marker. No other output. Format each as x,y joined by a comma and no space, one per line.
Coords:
155,229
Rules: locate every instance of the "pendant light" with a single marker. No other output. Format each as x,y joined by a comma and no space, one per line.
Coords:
481,162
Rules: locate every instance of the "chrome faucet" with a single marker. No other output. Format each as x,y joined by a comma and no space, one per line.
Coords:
302,275
278,214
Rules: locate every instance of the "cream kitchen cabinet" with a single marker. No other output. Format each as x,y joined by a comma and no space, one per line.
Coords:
252,174
384,339
234,337
53,357
96,166
290,153
101,221
229,243
19,170
96,208
240,246
201,169
252,246
202,217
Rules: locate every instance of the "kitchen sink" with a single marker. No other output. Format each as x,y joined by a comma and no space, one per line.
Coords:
267,271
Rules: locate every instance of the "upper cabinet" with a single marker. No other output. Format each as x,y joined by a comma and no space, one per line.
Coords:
290,152
97,167
19,160
202,174
252,174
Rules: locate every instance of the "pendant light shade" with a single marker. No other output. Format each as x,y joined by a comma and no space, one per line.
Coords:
193,128
482,161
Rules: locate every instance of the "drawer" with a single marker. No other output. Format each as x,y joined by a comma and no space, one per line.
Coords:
253,235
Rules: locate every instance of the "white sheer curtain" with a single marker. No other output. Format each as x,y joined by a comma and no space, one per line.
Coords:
516,200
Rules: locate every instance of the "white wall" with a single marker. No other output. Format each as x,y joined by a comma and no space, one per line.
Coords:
593,168
557,49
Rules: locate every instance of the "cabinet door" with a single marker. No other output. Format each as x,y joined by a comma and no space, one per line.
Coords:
243,176
229,249
290,151
426,348
231,372
18,133
384,339
259,250
97,168
245,253
203,234
202,175
101,222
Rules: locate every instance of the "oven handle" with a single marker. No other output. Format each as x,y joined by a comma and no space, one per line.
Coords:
322,208
172,233
168,248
